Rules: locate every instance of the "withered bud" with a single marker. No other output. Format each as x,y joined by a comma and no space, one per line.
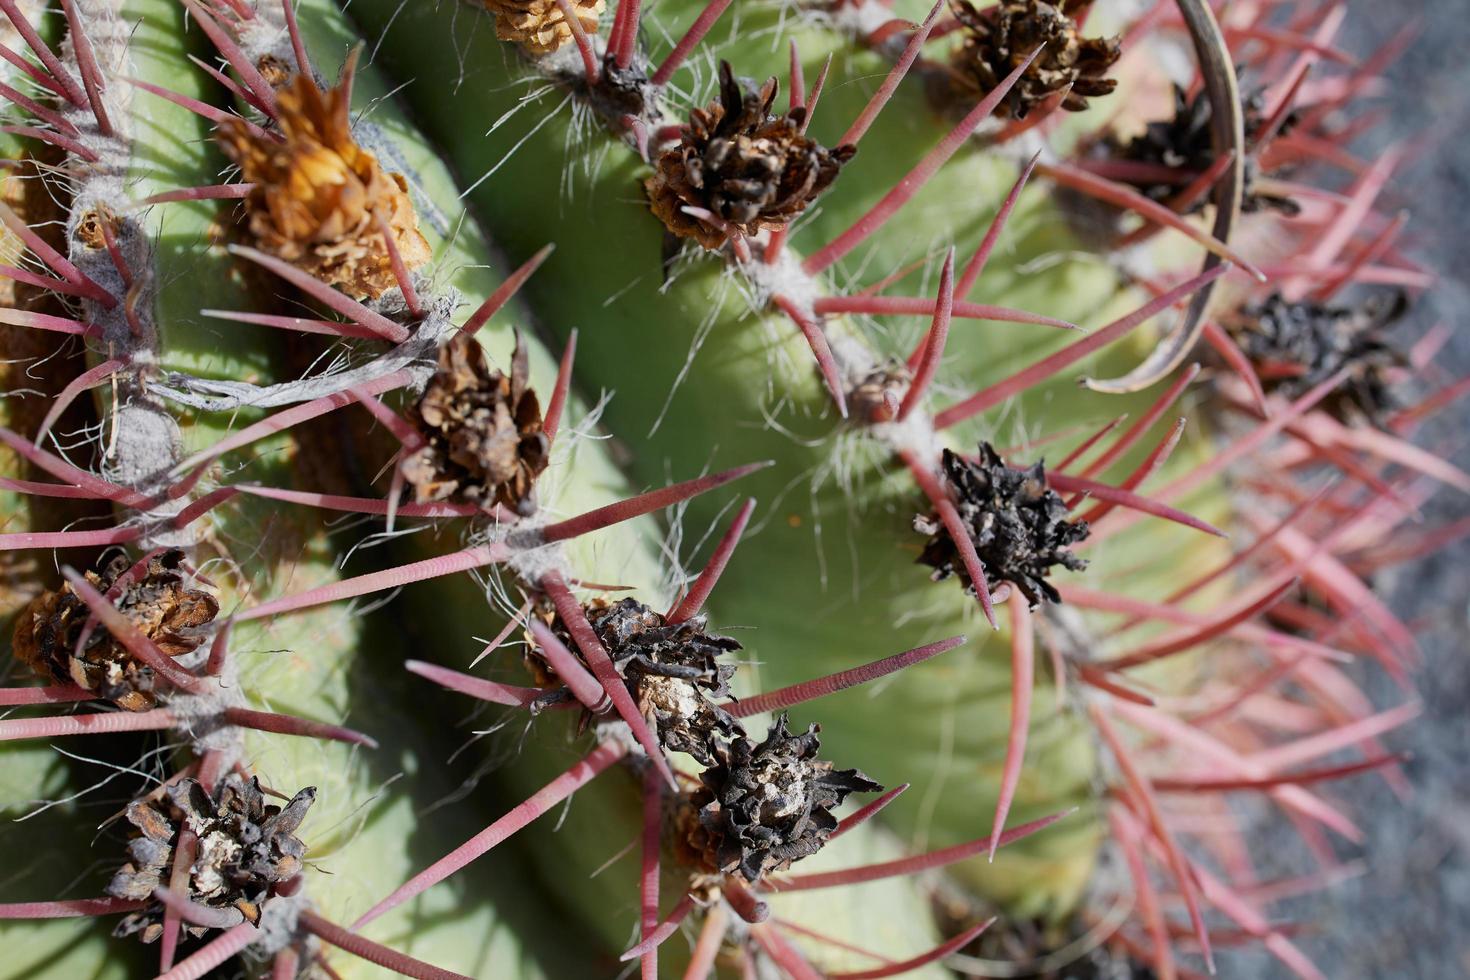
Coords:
275,70
998,39
538,25
673,673
318,194
877,396
744,165
1018,525
1296,346
483,440
763,806
1183,143
156,601
244,848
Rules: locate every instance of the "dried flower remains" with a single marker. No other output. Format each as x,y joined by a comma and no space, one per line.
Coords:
1019,527
539,25
155,600
482,430
243,849
672,671
1183,143
318,195
998,39
1296,346
763,806
747,167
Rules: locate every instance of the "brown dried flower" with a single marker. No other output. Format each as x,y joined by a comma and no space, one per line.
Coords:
998,39
1183,142
672,672
483,441
747,167
764,806
538,25
318,194
1297,346
1019,527
155,601
244,847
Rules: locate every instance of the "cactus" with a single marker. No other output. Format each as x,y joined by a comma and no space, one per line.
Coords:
377,375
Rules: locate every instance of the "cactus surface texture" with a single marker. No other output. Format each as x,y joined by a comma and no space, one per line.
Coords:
772,488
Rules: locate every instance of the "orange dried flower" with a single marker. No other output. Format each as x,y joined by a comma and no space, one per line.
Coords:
538,25
318,194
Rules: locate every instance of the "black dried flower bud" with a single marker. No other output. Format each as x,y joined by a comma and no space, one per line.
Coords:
999,38
1296,346
1183,143
673,673
763,806
155,600
244,848
746,166
1018,525
483,437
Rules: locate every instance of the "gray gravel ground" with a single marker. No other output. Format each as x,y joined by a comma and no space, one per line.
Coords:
1409,916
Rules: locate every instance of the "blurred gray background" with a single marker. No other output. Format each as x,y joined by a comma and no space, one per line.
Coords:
1409,915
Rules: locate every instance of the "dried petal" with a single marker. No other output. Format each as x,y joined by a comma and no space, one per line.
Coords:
671,669
484,442
1019,527
156,602
764,806
318,194
1296,346
998,39
538,25
245,848
749,168
1183,143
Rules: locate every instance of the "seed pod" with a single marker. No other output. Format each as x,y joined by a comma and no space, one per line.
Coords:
749,168
482,431
998,39
1019,527
673,674
318,195
156,601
